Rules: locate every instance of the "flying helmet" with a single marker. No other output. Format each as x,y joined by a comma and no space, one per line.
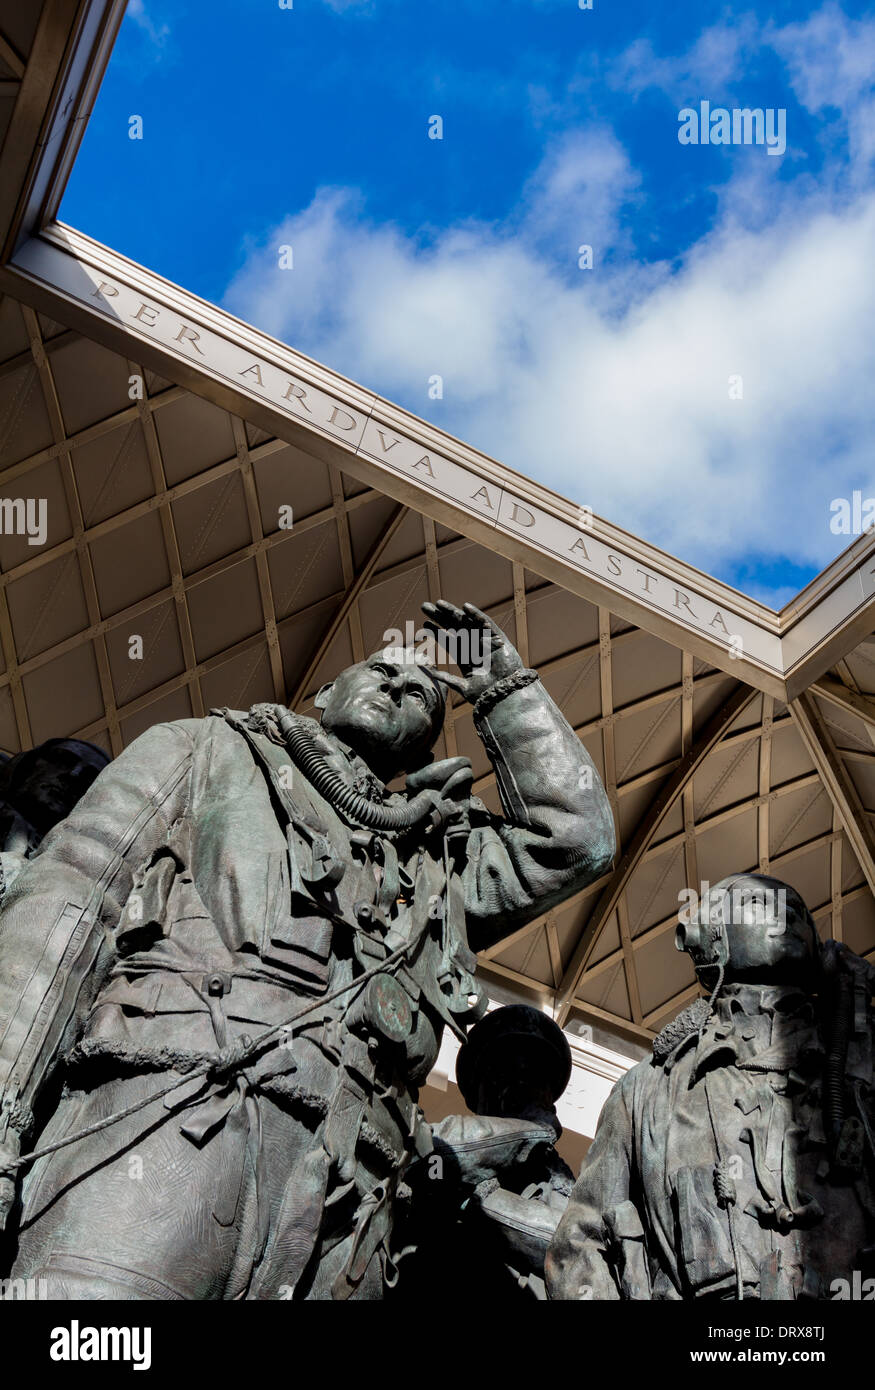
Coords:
703,933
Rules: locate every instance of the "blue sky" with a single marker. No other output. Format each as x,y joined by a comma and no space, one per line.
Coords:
615,385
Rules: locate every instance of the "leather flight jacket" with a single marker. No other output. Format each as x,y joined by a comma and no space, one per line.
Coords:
203,890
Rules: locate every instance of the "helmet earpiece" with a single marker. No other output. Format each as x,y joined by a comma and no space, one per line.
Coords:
703,935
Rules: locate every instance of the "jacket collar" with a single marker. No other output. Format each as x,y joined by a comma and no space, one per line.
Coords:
341,758
769,1025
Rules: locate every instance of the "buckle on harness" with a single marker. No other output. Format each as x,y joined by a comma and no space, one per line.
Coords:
217,984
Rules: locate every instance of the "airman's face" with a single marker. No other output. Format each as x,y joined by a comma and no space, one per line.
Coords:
386,710
768,931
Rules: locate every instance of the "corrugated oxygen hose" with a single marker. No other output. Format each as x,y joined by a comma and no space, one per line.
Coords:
840,1033
328,783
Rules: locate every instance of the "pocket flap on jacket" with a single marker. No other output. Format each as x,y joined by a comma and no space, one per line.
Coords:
624,1222
310,934
135,991
703,1228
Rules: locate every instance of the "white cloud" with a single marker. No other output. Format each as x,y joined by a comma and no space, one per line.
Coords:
578,193
612,385
157,34
712,63
367,7
831,63
830,57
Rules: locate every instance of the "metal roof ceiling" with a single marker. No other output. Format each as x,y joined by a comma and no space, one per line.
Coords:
164,516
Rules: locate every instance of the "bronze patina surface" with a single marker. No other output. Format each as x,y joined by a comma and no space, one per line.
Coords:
224,977
485,1203
738,1162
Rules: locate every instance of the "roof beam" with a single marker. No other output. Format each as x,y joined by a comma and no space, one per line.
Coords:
265,588
100,294
837,781
171,542
203,668
677,1001
433,555
624,1025
852,701
97,292
349,598
59,82
344,545
731,740
80,554
662,803
12,58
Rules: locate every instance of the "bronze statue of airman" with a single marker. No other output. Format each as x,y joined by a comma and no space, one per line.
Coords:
225,975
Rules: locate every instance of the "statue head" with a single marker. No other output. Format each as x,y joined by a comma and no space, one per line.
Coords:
516,1062
45,783
389,709
757,928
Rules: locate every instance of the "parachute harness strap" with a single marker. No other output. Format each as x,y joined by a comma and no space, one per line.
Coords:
726,1194
225,1062
384,819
